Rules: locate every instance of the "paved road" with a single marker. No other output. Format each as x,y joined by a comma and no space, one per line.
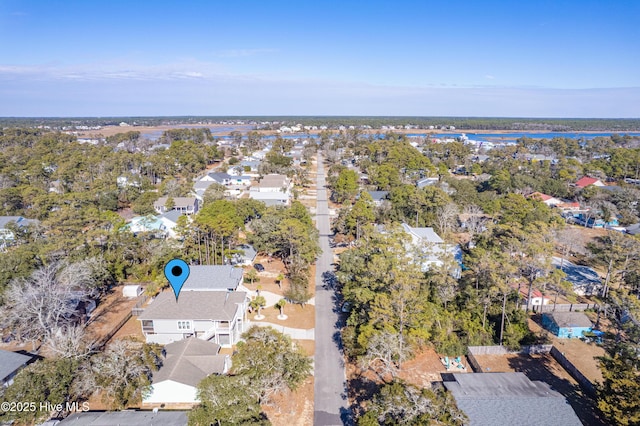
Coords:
331,405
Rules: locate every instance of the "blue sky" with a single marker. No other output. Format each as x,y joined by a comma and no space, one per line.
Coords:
577,58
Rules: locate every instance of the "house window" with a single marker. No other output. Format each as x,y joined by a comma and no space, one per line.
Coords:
184,325
224,339
147,326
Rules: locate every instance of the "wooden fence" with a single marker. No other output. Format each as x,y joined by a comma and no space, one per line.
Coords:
138,309
564,307
100,343
584,383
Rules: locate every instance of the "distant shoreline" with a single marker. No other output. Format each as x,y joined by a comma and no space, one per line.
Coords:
114,130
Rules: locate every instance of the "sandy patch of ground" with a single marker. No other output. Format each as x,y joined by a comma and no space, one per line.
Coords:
130,330
293,408
424,369
297,316
307,346
112,309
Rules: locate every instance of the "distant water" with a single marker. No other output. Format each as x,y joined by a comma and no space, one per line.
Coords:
480,137
496,137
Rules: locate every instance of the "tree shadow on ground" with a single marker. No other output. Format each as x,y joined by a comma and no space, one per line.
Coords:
540,368
361,390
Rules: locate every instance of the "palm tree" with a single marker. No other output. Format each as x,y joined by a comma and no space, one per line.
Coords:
252,276
280,305
258,303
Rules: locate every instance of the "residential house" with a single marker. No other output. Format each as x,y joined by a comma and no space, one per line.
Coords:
379,197
124,181
213,278
496,399
546,199
428,181
272,190
185,205
433,250
537,298
126,418
200,187
585,280
10,364
162,226
588,181
245,255
185,364
568,206
209,307
566,325
479,158
633,229
466,220
7,237
231,182
218,316
219,178
271,198
274,183
587,219
533,158
250,167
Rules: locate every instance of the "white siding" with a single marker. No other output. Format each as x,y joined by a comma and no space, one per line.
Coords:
169,391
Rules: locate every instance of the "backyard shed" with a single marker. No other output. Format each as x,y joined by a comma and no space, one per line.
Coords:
132,291
566,324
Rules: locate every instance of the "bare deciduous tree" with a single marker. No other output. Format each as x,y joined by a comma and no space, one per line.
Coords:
70,342
122,372
385,354
35,307
446,216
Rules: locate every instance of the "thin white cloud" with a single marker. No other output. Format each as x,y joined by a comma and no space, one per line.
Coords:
96,72
238,53
489,77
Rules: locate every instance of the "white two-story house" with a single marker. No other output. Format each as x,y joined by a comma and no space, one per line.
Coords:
209,307
432,251
273,190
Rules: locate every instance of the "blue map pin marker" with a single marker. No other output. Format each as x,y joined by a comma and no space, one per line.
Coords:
177,272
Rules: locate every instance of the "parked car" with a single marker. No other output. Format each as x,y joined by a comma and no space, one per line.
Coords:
258,267
346,307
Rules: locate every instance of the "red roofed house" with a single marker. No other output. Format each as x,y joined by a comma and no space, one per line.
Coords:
537,298
547,199
587,181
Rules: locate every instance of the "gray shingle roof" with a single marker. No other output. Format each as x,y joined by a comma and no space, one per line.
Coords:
194,305
178,202
172,215
570,319
425,234
19,220
378,195
273,181
509,398
249,252
126,418
10,362
189,361
219,177
202,184
633,229
213,277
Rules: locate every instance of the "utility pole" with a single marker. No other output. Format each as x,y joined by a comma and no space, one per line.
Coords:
504,305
